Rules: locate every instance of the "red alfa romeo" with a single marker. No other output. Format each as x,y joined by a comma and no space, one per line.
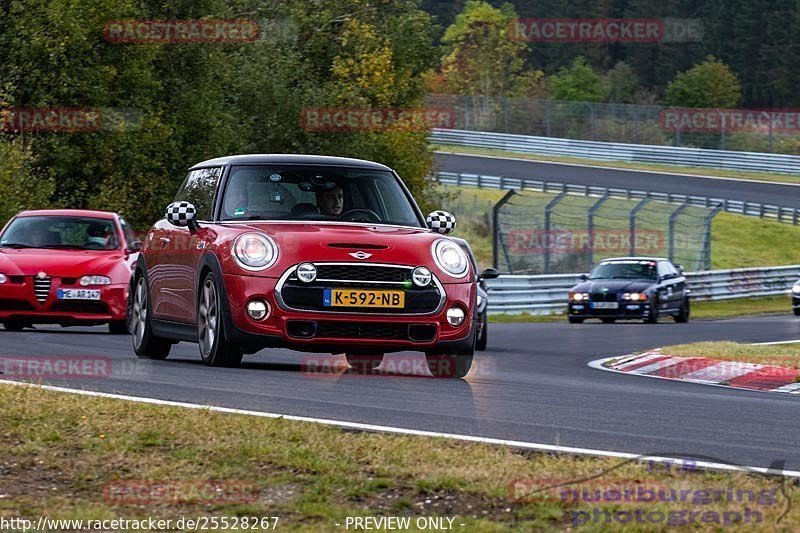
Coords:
66,266
316,254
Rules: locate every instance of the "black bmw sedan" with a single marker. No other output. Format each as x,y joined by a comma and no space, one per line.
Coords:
624,288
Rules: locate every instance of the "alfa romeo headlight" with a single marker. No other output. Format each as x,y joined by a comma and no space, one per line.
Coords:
254,251
451,258
85,281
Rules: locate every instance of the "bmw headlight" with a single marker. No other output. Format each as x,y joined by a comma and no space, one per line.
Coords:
579,296
796,288
635,296
85,281
254,251
480,300
451,258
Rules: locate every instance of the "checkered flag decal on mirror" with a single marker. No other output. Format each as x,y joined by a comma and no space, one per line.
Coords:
441,222
180,213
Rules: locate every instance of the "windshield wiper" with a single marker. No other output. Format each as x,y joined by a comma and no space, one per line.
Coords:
69,246
17,245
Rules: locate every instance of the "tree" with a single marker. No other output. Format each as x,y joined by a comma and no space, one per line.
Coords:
708,84
578,82
623,84
480,57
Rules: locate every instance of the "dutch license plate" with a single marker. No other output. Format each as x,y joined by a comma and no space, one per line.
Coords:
605,305
363,298
78,294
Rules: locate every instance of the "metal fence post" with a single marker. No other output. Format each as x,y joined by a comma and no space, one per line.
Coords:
590,224
548,209
635,211
495,216
707,239
672,218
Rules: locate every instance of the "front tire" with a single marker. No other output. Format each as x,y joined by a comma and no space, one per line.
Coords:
652,317
608,320
215,350
683,313
484,336
13,325
575,320
145,344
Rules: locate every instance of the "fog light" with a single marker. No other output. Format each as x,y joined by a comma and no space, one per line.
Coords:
258,309
421,277
306,272
455,316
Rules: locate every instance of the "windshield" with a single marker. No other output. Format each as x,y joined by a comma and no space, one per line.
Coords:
317,193
66,232
625,270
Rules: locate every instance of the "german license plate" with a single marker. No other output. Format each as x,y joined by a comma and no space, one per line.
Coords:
363,298
605,305
78,294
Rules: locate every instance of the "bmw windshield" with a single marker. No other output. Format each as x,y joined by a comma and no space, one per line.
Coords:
625,270
317,193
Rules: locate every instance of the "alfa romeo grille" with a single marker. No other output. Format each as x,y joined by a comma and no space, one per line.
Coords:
41,288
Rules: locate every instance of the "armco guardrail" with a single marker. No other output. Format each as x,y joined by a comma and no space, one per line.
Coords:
546,295
631,153
754,209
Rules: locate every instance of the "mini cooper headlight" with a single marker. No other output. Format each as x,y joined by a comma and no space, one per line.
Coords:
254,251
451,258
579,296
94,280
3,278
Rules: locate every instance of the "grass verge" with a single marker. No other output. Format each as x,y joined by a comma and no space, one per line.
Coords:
787,355
61,452
674,169
719,309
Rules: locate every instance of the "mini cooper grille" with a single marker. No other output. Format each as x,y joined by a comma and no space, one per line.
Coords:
309,296
41,288
363,273
362,330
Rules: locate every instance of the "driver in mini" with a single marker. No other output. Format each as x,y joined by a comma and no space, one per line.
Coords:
331,202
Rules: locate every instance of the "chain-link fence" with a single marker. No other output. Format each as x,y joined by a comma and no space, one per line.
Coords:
738,130
537,233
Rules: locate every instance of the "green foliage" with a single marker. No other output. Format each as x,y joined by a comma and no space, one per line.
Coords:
479,56
578,82
203,100
708,84
20,189
623,84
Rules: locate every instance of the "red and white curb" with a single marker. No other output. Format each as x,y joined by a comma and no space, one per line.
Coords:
735,374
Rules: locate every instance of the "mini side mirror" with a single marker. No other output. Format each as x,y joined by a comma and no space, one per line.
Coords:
489,273
584,277
135,246
182,215
441,222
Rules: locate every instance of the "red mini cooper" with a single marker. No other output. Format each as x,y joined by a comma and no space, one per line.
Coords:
66,266
312,253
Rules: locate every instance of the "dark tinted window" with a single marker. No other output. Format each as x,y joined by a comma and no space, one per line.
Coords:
61,232
625,270
298,192
198,188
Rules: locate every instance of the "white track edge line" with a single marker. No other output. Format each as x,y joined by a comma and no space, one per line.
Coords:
706,465
775,343
621,169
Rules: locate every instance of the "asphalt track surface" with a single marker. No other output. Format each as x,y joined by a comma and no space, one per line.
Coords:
730,189
532,385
